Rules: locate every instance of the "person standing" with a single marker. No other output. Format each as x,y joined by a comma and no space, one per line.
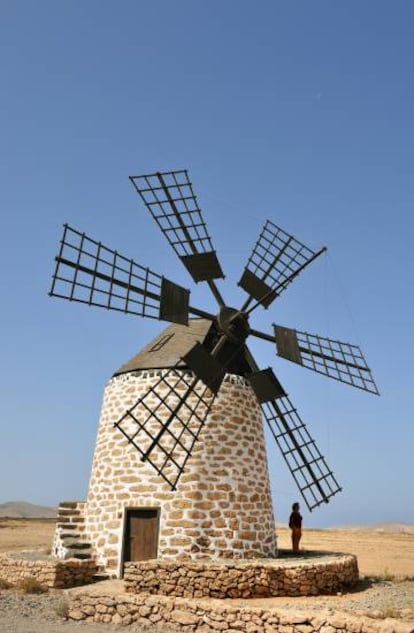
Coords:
295,524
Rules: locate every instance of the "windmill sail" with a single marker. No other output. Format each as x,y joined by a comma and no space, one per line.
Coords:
277,258
341,361
170,198
310,472
89,272
165,423
309,469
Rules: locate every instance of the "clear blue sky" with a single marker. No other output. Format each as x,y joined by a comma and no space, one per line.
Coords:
300,112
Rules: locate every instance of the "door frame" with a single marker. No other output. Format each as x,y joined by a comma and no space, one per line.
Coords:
126,510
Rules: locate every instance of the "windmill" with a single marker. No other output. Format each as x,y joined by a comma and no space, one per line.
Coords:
165,422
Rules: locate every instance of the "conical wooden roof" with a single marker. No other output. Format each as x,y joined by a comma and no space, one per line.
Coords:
168,347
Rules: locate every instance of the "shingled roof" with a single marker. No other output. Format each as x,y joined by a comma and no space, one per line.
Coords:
168,347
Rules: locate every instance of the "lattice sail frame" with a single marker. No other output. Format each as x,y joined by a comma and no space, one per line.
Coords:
170,198
341,361
277,258
89,272
165,423
307,465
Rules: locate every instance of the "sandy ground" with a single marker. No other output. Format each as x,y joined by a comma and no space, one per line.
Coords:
379,554
18,534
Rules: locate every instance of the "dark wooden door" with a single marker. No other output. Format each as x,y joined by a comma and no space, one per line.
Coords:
141,534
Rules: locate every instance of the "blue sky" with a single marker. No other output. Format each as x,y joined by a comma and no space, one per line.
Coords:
297,112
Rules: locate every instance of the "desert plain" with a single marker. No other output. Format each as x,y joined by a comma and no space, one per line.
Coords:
380,553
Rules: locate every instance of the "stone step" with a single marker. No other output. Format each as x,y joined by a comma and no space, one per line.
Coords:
66,535
100,575
85,554
81,555
66,526
69,504
77,545
68,512
71,519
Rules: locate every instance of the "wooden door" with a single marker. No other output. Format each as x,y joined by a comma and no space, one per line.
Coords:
141,534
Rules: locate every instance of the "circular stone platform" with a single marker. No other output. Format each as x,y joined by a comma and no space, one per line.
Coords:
302,574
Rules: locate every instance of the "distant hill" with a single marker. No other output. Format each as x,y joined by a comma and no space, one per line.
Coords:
25,510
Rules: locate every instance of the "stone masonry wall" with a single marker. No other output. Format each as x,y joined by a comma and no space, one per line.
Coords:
242,579
159,613
222,506
54,574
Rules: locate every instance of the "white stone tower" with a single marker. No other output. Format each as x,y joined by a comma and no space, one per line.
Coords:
222,506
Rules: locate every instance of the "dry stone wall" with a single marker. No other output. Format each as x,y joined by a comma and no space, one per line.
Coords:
243,579
222,506
160,613
50,573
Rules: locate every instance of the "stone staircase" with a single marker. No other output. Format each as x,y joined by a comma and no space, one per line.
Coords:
70,540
